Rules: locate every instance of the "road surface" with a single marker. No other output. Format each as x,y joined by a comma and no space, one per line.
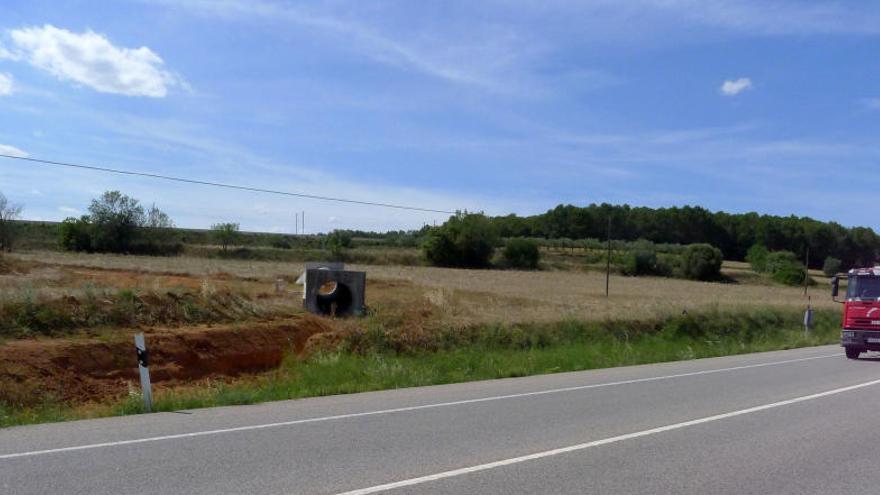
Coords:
800,421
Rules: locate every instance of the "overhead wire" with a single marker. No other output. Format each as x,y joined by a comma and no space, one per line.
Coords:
221,184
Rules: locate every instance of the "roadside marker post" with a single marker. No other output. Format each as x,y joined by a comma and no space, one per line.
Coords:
808,319
143,358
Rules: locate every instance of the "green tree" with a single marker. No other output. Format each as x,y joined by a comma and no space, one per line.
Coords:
701,262
9,213
785,268
115,219
757,257
466,240
831,266
338,241
74,234
225,234
521,253
641,259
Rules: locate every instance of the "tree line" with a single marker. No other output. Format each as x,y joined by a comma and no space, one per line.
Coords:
733,234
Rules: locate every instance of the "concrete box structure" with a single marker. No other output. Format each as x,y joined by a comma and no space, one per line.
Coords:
346,294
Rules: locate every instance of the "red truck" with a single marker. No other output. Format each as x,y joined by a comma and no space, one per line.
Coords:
861,311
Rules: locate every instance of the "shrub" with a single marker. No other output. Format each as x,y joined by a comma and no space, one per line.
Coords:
466,240
757,257
521,253
701,262
785,268
224,234
338,241
789,274
74,234
641,259
832,266
281,242
778,260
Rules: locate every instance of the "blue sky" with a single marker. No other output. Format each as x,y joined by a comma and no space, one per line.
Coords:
513,106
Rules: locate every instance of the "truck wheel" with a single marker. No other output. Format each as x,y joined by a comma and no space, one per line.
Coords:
852,353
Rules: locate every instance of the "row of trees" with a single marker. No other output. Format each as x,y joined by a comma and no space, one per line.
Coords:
469,240
734,234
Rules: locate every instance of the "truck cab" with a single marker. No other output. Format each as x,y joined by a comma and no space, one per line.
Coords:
860,331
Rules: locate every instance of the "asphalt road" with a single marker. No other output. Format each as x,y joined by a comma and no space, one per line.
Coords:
801,421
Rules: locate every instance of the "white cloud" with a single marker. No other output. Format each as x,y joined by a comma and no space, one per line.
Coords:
733,88
5,84
4,53
69,210
6,149
485,60
90,59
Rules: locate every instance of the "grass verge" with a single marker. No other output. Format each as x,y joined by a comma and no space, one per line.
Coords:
375,359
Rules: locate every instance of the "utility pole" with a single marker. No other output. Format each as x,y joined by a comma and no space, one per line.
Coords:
304,223
296,230
608,262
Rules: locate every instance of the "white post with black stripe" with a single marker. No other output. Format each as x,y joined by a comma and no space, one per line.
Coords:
143,358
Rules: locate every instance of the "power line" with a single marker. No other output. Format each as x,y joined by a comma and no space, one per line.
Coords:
221,184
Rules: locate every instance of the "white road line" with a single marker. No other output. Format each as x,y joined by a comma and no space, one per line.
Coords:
597,443
401,409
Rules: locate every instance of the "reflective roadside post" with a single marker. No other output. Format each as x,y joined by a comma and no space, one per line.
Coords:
808,318
143,358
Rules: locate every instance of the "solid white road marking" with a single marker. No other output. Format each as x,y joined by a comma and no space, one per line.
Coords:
402,409
598,443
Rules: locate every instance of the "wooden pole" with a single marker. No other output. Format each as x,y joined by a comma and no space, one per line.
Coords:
608,261
807,272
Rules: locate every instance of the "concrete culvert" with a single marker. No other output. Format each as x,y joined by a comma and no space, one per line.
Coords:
334,299
334,292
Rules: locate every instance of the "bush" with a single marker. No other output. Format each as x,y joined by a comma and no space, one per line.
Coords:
641,259
778,260
832,266
338,241
784,267
74,234
466,240
224,234
757,257
701,262
281,242
789,274
521,253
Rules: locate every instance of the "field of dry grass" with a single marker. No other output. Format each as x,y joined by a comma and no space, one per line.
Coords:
452,295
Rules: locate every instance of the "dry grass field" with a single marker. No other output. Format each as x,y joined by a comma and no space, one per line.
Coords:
462,296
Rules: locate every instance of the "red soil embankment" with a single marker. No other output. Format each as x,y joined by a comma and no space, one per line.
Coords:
84,369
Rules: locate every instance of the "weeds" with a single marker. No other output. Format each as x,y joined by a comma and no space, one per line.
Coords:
123,308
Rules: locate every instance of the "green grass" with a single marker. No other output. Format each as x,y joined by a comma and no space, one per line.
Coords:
376,360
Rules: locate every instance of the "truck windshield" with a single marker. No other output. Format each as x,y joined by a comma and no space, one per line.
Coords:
863,287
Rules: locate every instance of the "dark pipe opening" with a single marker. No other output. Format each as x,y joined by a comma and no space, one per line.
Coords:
334,300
